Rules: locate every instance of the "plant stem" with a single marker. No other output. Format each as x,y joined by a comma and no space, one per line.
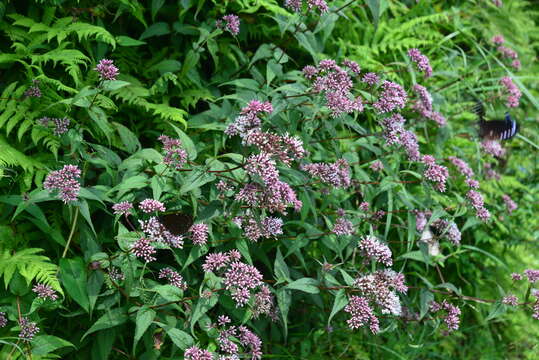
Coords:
71,233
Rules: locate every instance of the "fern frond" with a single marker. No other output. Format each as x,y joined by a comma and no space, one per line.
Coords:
9,156
30,265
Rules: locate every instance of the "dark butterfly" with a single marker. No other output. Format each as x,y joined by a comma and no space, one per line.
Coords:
177,223
495,129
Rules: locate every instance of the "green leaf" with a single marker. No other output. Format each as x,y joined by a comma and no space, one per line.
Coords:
377,8
308,285
180,338
45,344
157,29
497,310
110,319
201,307
284,299
196,179
340,302
127,41
73,277
144,319
187,143
111,85
281,269
129,139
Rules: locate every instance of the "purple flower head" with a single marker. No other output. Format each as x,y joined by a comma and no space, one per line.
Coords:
285,148
264,303
295,5
3,319
107,70
498,39
194,353
512,90
424,106
199,234
392,97
268,227
516,64
122,208
507,52
364,206
33,91
248,119
438,174
343,226
116,275
175,154
173,278
45,291
421,61
219,260
532,275
516,276
475,198
239,279
449,229
28,329
393,129
336,174
263,166
151,205
509,203
462,166
493,148
336,84
408,141
61,125
420,220
473,184
452,314
498,3
381,287
352,65
155,231
510,300
143,249
222,320
370,79
230,23
373,249
361,314
377,166
65,182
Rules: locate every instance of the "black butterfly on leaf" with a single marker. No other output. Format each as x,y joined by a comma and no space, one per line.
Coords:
177,223
495,129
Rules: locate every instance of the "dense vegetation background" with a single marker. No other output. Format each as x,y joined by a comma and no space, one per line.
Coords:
77,281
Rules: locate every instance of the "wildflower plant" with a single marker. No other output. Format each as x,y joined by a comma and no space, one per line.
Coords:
172,191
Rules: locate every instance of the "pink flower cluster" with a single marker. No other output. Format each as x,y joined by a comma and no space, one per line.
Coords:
381,288
336,174
424,106
61,125
249,120
265,304
395,134
510,300
377,166
462,166
266,228
370,78
246,338
509,203
421,61
155,231
122,208
514,93
295,5
239,278
342,225
195,353
28,329
498,39
199,233
151,205
33,91
532,275
392,97
65,182
107,70
45,291
173,278
285,148
175,154
373,249
336,84
436,173
452,315
361,314
449,229
476,200
493,148
3,319
143,249
230,23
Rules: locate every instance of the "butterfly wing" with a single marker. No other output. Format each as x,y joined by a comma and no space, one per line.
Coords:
498,129
177,223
